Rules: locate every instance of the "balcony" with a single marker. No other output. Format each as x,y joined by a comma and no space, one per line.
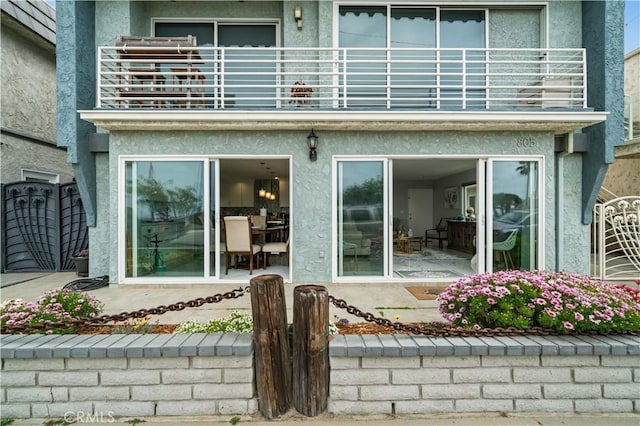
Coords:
210,84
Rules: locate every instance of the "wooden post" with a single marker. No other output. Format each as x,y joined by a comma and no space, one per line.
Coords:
271,345
310,349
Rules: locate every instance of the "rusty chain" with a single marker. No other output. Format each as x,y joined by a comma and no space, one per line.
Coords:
338,303
123,316
453,331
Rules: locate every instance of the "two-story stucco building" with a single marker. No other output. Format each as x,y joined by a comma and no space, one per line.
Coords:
179,114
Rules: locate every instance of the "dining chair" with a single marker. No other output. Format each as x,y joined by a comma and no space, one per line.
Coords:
275,247
505,247
239,242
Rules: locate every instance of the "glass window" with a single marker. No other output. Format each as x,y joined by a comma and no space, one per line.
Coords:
413,71
164,218
415,75
366,70
515,215
249,73
360,221
202,31
462,29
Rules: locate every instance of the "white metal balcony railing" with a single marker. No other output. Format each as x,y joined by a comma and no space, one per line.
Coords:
341,78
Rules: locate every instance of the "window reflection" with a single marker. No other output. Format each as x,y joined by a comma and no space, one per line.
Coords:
515,215
164,218
360,218
366,73
462,29
255,82
417,76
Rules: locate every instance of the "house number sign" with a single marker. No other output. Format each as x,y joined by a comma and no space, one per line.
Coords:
525,142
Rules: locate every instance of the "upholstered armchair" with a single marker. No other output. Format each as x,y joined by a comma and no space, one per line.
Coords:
438,233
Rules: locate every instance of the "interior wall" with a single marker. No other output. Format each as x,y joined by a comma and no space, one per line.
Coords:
401,198
453,181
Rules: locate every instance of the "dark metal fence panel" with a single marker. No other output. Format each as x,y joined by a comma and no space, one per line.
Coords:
43,226
74,234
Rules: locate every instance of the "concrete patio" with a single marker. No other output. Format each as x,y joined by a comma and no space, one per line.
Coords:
381,299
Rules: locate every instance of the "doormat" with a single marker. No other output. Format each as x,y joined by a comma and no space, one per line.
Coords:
426,293
428,274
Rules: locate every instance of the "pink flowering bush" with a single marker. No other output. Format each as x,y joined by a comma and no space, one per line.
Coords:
53,306
559,301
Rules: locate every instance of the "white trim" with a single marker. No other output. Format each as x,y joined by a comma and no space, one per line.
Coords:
484,182
481,217
541,212
121,231
336,230
394,115
557,122
206,160
457,3
387,209
216,22
38,175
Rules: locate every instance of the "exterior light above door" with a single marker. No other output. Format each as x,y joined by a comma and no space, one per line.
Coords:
312,141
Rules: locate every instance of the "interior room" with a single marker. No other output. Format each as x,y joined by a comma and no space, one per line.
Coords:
257,188
428,196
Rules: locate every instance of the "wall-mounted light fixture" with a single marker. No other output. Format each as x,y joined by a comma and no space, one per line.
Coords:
312,141
297,15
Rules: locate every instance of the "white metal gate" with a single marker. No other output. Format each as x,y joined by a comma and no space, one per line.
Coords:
615,239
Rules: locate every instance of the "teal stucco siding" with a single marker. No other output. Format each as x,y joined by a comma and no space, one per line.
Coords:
603,36
76,88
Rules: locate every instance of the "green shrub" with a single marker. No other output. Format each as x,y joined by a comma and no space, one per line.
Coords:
54,306
559,301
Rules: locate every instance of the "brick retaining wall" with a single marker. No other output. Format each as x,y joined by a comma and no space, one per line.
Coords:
398,374
135,375
205,374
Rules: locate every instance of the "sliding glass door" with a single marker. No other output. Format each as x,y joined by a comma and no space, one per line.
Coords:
164,218
513,211
503,230
361,218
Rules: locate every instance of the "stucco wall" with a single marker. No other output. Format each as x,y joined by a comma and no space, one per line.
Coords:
28,85
18,154
623,176
603,37
76,81
573,252
99,265
311,180
28,101
632,75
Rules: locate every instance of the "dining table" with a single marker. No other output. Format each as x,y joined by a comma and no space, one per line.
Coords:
269,232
